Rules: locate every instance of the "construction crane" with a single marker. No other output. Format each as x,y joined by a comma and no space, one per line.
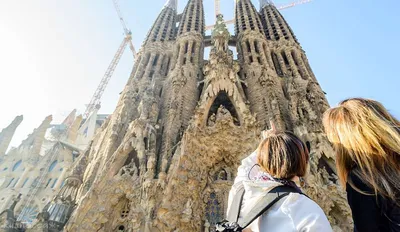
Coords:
232,21
96,98
217,6
127,32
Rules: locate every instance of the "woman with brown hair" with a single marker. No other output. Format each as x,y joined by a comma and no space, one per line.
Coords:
366,138
280,160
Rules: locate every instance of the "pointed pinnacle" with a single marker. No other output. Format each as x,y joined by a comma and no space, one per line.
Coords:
263,3
173,4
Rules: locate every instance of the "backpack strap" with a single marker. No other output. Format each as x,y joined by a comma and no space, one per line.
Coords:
265,203
236,204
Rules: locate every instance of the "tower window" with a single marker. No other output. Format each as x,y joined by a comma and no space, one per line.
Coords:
147,58
285,59
151,74
294,57
155,60
277,65
256,47
9,183
259,60
54,183
248,46
193,48
251,59
146,143
35,182
26,180
186,47
53,164
16,165
48,182
168,63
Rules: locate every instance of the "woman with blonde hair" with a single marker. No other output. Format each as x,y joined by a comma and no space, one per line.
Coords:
366,138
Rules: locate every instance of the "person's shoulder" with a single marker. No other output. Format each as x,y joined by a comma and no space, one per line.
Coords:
355,182
300,203
305,213
251,159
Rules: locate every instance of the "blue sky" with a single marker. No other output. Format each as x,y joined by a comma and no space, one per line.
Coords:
54,53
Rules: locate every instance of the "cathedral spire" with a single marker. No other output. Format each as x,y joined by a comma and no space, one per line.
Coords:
192,18
173,4
265,2
7,133
164,27
246,17
274,25
35,140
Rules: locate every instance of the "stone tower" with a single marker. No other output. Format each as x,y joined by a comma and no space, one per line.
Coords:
166,159
7,133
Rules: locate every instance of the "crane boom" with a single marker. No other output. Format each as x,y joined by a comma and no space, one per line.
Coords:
95,102
293,4
217,5
127,32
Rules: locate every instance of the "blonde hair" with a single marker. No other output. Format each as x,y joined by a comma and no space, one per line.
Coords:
283,155
365,135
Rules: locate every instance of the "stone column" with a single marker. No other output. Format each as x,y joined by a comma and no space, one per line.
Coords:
23,176
61,178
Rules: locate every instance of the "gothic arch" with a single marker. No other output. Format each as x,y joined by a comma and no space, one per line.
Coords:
222,99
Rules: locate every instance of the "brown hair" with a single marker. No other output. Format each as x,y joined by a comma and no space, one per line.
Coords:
283,155
366,136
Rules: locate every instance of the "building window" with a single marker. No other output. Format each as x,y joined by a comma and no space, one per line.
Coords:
248,46
276,64
53,165
221,175
125,210
9,183
16,165
48,182
214,211
29,214
15,182
26,180
54,183
35,182
75,154
85,132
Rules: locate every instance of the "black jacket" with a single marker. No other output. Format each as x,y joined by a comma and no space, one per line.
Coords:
371,213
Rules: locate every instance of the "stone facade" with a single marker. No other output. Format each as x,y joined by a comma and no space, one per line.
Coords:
168,155
35,170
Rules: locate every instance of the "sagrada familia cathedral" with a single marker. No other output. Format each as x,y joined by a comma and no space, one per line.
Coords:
166,158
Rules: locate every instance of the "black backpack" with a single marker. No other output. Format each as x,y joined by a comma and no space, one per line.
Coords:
233,223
